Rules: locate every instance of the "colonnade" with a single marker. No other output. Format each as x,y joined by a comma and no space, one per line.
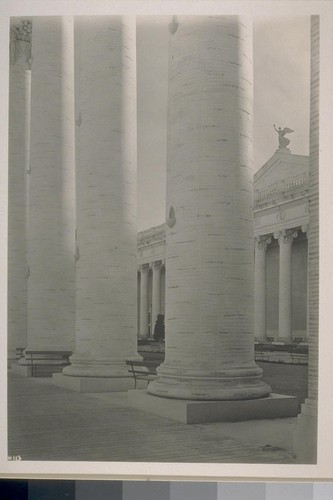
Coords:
82,256
79,246
285,238
148,312
82,235
151,290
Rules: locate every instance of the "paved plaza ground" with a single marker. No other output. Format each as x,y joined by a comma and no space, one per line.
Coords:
50,423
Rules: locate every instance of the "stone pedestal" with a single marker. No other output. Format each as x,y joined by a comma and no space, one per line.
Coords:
93,384
261,243
144,323
19,145
51,266
285,292
209,236
106,266
196,412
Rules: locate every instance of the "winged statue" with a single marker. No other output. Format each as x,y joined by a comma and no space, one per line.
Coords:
283,141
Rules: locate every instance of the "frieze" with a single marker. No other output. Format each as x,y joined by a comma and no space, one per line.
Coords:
151,236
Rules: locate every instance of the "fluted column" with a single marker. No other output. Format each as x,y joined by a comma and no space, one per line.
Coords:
144,322
209,236
156,307
261,243
19,145
51,281
106,269
285,239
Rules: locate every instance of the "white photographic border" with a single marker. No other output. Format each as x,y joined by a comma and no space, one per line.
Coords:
323,470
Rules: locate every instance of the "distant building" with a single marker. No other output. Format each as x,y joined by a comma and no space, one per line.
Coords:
281,218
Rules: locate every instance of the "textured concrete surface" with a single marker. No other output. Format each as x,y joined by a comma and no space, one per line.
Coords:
50,423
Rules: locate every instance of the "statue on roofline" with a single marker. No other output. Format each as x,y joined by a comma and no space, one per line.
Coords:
283,141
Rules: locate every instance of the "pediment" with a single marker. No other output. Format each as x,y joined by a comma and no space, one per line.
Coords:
280,167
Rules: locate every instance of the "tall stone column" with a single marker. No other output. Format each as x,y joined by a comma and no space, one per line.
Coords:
156,309
106,270
19,145
285,239
261,243
51,281
306,449
144,307
209,236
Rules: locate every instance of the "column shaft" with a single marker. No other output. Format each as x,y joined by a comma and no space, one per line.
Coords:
51,282
285,292
106,269
156,308
306,449
144,324
260,288
19,145
209,237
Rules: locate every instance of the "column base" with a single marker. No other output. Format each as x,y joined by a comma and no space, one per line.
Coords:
93,384
306,449
196,412
194,384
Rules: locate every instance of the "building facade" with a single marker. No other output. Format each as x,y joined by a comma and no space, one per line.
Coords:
281,217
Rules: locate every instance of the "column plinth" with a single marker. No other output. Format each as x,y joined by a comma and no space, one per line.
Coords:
106,266
209,236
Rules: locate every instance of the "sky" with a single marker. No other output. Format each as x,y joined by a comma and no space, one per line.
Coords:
281,48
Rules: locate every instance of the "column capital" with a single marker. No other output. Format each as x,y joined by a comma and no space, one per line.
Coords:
261,242
156,265
20,41
144,268
286,236
305,228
